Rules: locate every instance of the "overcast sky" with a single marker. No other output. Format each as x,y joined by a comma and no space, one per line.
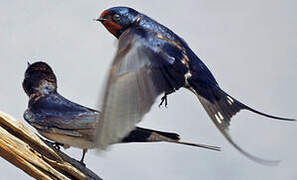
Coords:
250,46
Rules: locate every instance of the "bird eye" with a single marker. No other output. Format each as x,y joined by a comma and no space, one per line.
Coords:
116,17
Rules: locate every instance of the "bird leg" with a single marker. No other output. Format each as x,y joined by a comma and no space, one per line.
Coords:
164,98
83,157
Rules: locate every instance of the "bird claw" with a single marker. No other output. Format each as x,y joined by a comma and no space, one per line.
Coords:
56,145
164,98
82,163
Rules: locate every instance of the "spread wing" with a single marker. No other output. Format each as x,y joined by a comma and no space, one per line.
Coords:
140,72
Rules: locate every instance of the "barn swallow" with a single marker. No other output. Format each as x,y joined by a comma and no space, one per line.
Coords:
71,124
152,60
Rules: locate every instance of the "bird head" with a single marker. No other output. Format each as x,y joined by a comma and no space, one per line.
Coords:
117,19
39,77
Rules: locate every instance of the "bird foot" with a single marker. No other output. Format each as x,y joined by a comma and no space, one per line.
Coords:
164,98
55,144
82,163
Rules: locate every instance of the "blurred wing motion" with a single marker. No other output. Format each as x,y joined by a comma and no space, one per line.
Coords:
148,64
69,123
137,76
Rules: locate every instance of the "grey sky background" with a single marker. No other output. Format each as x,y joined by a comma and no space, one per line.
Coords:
250,46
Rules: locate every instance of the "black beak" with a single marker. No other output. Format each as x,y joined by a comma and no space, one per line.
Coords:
100,19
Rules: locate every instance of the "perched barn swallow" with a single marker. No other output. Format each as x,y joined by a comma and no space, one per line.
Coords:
152,60
68,123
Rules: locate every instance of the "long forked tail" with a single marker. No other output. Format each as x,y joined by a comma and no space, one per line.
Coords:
149,135
221,107
267,115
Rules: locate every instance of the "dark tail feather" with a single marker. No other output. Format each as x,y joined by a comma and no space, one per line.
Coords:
210,147
144,135
267,115
148,135
226,105
221,108
238,106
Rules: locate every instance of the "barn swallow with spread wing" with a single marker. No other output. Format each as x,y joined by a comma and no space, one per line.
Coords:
152,60
71,124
